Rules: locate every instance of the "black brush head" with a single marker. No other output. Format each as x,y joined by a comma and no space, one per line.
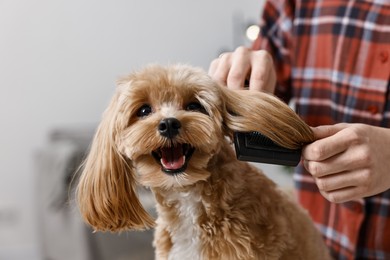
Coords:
255,147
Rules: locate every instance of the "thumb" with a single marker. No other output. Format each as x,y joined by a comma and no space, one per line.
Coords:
327,130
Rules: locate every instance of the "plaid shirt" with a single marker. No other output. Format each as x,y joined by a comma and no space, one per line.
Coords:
333,60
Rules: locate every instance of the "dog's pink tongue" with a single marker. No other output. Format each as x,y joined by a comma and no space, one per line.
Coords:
172,158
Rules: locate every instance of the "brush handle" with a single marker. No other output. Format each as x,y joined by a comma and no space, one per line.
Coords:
255,147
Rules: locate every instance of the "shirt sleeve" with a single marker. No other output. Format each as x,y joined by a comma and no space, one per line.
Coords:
276,37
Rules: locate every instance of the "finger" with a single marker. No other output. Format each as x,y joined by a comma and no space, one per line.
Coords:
221,68
341,180
334,141
238,73
213,67
258,78
240,68
343,195
263,76
354,158
324,149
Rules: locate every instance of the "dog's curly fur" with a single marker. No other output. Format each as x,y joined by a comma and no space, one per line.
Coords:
209,204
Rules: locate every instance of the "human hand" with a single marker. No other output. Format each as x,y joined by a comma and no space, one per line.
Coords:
349,161
232,69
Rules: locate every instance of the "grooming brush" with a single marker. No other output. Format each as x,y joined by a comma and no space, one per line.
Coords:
255,147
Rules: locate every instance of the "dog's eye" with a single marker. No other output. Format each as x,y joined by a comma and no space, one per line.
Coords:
195,106
145,110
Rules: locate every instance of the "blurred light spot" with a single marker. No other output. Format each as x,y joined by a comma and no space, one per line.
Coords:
252,32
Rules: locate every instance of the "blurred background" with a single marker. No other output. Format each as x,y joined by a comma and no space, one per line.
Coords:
59,61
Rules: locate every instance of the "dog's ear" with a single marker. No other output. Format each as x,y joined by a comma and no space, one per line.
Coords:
106,191
248,111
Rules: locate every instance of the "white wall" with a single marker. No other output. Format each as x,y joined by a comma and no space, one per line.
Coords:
59,61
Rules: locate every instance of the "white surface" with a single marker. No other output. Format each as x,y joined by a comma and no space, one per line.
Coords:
277,173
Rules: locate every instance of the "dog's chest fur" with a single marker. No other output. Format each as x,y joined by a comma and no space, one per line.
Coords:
185,234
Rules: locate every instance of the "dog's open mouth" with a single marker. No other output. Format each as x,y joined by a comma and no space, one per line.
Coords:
174,159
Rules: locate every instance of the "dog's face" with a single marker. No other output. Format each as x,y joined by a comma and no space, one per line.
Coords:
172,124
162,129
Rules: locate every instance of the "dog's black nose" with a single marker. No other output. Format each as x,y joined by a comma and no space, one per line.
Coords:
169,127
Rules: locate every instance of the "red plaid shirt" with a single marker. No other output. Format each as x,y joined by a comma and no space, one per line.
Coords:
333,60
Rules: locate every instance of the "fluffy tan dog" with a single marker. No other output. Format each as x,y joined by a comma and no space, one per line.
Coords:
168,128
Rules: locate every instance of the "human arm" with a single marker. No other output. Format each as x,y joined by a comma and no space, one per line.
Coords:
349,161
